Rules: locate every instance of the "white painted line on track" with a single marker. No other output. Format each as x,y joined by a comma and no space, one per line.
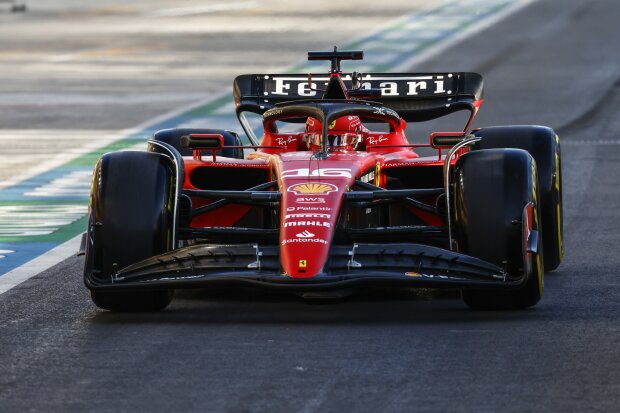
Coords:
62,158
59,159
68,156
28,220
39,264
76,183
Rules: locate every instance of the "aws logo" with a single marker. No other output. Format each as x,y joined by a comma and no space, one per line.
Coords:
312,188
310,200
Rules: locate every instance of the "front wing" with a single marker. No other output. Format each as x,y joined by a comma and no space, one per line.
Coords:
352,266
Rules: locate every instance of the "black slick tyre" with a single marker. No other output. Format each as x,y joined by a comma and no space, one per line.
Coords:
493,190
544,146
130,219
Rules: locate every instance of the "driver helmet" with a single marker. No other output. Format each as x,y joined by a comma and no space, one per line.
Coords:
344,133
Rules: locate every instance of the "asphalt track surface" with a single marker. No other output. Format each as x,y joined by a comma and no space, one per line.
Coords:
553,63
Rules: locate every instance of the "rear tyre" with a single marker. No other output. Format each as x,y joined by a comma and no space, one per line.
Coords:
492,190
544,146
130,219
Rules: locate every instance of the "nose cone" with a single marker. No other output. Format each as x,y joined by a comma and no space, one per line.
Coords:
308,218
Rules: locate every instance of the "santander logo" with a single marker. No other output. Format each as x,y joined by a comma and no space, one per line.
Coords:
306,234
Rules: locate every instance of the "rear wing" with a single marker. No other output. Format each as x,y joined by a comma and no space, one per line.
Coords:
416,97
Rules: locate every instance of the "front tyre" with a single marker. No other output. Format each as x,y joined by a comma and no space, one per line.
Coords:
497,219
130,219
544,146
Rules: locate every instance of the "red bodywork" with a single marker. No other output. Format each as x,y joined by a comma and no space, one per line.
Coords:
312,189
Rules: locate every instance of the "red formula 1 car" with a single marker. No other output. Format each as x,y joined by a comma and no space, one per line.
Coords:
345,202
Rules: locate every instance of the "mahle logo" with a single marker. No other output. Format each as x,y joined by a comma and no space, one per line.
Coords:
316,188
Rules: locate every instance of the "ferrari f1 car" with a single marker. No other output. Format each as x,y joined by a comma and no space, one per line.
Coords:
343,202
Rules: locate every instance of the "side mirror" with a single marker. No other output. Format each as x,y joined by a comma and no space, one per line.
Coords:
213,141
203,141
446,140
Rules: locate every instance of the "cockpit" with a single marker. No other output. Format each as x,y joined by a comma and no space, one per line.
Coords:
332,126
345,133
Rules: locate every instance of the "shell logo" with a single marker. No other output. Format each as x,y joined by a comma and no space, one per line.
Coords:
315,188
